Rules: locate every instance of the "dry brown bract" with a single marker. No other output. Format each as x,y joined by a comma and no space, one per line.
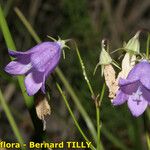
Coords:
128,63
42,108
110,79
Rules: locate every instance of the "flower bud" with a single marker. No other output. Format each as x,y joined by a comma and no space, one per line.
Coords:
105,58
133,45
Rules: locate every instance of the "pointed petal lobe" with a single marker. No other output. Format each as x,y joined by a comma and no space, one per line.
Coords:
33,82
120,98
137,107
17,68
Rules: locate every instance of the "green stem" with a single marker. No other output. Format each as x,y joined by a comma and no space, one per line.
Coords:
98,126
83,70
148,45
99,144
5,30
62,77
11,120
72,115
148,140
92,95
29,101
77,102
27,25
10,44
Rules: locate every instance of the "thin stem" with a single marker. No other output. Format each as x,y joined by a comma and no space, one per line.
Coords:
98,126
102,93
72,115
148,45
27,24
11,120
10,44
29,101
148,140
77,102
99,144
83,70
5,30
62,78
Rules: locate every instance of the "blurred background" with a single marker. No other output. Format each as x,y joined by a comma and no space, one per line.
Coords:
88,22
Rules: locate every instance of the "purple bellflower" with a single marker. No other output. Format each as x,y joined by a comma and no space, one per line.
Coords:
36,64
135,89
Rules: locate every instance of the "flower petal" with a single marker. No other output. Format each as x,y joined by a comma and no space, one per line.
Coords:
17,68
139,70
17,54
38,47
145,93
120,98
137,108
48,57
145,80
33,82
129,86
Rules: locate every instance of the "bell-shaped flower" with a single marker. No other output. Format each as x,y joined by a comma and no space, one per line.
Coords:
135,89
36,64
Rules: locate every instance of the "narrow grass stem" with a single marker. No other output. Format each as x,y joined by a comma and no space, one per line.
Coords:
72,115
148,45
83,70
99,144
11,120
29,101
98,127
148,140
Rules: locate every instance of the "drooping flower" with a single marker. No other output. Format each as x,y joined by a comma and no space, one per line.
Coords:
36,64
135,89
132,48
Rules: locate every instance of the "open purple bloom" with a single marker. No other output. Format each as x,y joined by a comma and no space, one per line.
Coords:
135,89
36,64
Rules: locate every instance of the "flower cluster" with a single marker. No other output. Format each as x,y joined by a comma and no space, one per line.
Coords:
132,85
135,89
